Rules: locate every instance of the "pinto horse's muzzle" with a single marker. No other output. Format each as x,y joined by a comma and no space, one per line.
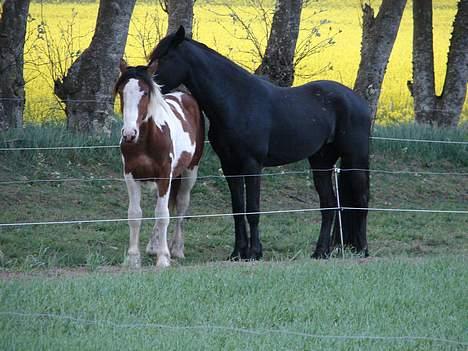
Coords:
129,135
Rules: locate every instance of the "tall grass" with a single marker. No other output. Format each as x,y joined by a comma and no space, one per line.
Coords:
430,153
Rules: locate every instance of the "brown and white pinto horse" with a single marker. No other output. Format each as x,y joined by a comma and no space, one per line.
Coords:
162,142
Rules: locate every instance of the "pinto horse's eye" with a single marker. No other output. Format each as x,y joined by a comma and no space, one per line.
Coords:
145,93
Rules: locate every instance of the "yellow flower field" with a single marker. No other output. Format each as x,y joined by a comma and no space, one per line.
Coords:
215,29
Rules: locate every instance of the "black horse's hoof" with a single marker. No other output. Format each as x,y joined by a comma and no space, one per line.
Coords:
239,255
255,255
320,255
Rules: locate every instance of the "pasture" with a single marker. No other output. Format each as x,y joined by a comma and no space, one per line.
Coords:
376,304
63,285
86,184
69,27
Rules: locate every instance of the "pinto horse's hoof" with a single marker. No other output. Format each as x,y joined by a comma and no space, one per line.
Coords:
133,261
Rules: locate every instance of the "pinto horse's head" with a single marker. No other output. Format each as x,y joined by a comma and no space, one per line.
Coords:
167,61
135,88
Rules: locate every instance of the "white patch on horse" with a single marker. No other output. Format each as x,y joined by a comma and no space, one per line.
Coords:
134,219
163,115
189,176
158,241
176,105
131,95
177,94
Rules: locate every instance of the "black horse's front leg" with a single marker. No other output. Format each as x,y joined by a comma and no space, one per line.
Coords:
241,247
252,184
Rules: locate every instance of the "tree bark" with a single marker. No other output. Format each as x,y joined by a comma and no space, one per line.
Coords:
278,62
12,36
443,110
180,13
86,90
423,85
378,36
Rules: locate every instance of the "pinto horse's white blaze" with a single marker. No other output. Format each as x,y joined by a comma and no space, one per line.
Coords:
162,139
131,94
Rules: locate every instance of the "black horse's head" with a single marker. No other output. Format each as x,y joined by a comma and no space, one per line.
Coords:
167,61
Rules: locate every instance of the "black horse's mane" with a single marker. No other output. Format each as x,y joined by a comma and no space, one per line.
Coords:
137,72
165,44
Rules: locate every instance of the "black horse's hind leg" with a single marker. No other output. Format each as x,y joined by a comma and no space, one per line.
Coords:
321,163
252,184
236,186
360,199
354,192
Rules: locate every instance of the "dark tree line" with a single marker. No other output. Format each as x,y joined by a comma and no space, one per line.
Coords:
86,88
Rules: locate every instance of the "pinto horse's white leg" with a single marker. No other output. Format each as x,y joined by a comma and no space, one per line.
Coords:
182,203
134,221
157,244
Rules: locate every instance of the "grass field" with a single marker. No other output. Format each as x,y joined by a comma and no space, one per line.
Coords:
94,190
376,304
62,287
216,30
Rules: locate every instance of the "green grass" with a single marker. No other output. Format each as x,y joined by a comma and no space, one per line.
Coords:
210,239
412,304
55,293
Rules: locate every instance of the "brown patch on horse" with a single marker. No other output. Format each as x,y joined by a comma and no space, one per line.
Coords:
150,156
183,162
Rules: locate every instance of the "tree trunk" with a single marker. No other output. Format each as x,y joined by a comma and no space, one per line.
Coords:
12,35
180,13
86,90
443,110
378,36
278,62
423,86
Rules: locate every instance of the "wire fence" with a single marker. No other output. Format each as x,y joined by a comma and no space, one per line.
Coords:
116,146
214,176
220,328
221,176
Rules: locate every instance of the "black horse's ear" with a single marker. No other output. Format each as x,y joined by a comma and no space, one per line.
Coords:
179,36
123,66
152,67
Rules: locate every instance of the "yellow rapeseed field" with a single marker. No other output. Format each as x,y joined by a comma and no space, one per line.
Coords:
221,32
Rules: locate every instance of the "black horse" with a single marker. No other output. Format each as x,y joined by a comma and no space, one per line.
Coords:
255,124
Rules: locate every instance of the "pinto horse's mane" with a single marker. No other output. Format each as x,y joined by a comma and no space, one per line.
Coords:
141,73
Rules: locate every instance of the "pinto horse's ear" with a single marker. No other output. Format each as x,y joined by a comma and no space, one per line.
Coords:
179,36
123,66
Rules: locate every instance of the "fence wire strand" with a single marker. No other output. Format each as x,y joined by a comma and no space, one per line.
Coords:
207,142
221,328
229,214
214,176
